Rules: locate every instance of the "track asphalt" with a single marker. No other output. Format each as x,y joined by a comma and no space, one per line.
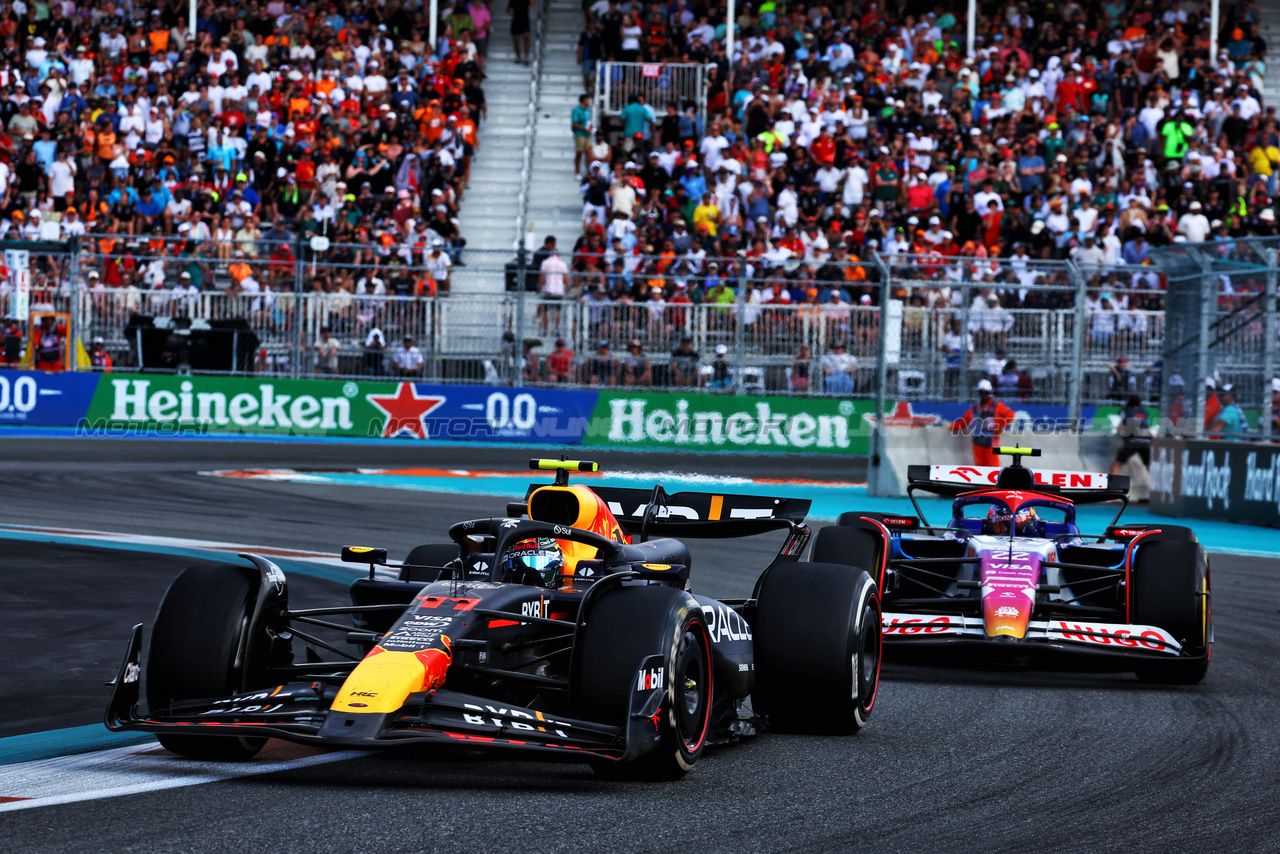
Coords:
956,760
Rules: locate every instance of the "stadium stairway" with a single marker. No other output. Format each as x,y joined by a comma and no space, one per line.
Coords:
555,206
1269,29
487,215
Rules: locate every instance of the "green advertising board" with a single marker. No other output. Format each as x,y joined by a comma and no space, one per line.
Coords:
258,406
727,423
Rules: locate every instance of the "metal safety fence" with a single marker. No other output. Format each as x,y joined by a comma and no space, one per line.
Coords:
659,83
888,327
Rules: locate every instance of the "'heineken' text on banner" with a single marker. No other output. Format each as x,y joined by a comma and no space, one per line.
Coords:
708,422
378,409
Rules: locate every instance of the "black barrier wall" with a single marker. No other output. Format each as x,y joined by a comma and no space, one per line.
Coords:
1237,481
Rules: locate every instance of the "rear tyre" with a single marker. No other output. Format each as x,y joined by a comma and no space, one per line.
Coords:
624,628
1170,589
194,642
817,648
850,546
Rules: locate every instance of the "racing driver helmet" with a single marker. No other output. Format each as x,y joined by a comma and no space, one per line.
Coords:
1027,522
999,521
536,561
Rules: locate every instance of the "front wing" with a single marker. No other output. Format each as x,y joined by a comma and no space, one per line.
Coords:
1067,635
299,712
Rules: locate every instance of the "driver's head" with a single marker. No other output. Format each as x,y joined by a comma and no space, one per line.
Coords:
536,561
1026,522
999,521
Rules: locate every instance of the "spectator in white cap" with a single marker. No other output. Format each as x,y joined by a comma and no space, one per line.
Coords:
837,369
408,359
437,261
721,373
985,421
1193,224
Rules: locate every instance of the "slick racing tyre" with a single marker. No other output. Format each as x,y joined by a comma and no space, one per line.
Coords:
817,647
194,641
1170,590
856,543
624,627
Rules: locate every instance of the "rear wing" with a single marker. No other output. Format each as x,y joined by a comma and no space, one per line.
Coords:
1081,487
700,514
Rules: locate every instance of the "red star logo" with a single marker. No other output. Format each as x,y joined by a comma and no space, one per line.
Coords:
405,410
903,416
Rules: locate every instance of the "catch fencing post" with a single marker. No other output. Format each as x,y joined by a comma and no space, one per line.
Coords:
740,331
73,279
1208,303
299,341
522,264
1074,393
882,369
1269,255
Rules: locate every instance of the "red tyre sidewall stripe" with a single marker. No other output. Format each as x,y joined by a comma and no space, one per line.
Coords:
879,656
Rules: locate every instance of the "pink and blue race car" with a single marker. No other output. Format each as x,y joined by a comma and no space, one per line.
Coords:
1011,579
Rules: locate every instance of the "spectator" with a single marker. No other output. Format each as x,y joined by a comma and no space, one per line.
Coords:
521,26
531,365
580,124
326,348
1230,420
1120,379
986,420
957,345
375,344
408,359
602,368
554,273
685,364
99,358
721,374
1135,433
636,370
437,262
49,344
560,363
801,370
837,370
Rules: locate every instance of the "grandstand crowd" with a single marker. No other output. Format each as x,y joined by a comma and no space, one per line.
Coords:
275,120
1094,131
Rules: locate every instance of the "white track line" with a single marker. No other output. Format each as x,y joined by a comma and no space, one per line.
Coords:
143,540
140,768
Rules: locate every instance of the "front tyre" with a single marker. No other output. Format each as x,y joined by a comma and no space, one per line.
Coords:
624,627
1170,589
194,642
817,648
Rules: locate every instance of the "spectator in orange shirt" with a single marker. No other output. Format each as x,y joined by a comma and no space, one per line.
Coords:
48,344
989,418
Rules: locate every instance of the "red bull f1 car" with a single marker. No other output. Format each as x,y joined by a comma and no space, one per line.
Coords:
565,629
1012,577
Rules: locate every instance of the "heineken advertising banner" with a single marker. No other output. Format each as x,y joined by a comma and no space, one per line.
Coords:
151,404
42,399
726,423
380,409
